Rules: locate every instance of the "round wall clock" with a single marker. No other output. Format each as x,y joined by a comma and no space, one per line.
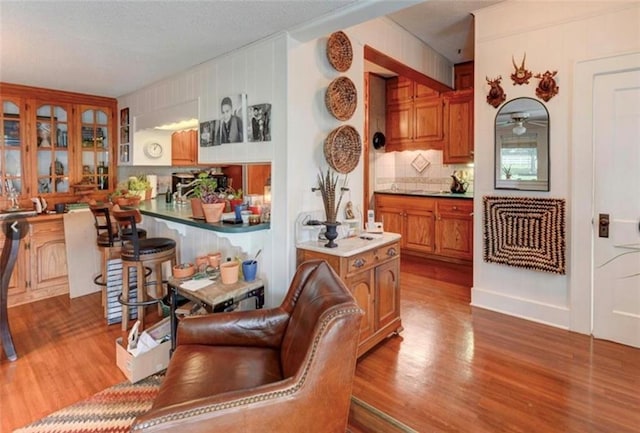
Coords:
153,150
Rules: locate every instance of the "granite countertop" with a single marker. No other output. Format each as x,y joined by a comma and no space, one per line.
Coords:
426,193
182,214
350,246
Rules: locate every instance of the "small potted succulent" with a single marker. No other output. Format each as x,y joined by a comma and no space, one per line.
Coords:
204,186
213,202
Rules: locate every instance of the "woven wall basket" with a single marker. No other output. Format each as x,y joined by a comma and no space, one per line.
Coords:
341,98
339,51
342,149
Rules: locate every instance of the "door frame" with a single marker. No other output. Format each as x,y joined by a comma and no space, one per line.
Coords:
582,185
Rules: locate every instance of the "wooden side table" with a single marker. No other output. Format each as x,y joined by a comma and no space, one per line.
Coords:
214,297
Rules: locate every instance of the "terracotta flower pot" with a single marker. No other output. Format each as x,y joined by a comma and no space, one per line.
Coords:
196,208
229,272
212,212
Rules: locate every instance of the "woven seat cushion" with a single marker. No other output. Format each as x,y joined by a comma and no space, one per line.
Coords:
148,246
103,239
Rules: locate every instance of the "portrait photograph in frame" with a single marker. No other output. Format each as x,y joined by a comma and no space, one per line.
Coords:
259,122
230,124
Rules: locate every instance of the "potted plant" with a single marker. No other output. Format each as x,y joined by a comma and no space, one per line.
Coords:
139,185
234,196
213,204
328,185
204,186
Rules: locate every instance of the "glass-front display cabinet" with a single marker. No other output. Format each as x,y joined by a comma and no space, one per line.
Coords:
55,144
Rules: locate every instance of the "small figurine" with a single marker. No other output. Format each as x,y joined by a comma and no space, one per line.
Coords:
348,211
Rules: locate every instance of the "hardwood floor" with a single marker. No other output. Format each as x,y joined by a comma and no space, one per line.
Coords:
454,368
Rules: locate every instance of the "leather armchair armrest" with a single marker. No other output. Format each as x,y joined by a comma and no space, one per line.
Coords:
242,328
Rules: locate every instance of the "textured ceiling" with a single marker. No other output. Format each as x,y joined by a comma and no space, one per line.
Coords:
112,48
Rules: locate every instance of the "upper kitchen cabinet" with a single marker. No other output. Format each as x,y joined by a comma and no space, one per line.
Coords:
52,141
184,147
463,73
458,144
414,116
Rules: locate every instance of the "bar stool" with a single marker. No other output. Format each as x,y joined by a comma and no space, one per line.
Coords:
138,253
109,242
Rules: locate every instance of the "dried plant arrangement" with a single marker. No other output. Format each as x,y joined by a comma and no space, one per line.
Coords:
328,184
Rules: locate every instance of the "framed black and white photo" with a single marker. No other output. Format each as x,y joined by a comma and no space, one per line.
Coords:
210,133
259,123
232,114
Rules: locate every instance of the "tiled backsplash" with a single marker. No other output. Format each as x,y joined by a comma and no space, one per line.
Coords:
417,169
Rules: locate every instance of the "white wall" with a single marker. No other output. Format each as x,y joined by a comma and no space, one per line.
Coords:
554,38
293,76
260,72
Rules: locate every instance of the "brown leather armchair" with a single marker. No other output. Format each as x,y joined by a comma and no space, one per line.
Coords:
285,369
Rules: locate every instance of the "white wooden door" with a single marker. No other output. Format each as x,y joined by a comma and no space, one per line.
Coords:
616,274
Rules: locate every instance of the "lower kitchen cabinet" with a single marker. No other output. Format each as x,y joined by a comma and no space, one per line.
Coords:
41,267
429,226
371,271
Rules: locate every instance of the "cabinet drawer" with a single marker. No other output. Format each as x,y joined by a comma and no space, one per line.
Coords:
455,206
404,202
388,252
361,261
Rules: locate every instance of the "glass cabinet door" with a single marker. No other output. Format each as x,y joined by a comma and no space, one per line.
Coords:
51,132
11,145
95,147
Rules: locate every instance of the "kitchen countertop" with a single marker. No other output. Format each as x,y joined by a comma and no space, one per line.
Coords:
182,214
350,246
426,193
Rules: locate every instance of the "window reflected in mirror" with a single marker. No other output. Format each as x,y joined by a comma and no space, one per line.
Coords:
522,146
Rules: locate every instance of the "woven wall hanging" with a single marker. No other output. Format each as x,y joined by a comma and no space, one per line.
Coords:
525,232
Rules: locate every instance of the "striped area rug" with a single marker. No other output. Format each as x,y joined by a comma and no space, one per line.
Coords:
109,411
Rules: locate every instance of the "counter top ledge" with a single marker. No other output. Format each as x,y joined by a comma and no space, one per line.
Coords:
182,214
426,193
348,247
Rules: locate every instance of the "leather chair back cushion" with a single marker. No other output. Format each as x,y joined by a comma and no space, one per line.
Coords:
321,289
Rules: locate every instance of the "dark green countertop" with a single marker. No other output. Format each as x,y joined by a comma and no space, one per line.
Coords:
426,193
182,214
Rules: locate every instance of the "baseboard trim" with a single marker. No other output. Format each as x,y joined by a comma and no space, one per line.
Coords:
370,419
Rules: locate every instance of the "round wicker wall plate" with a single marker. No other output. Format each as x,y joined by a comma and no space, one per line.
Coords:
339,51
342,149
341,98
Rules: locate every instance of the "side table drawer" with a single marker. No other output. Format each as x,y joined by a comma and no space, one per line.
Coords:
361,261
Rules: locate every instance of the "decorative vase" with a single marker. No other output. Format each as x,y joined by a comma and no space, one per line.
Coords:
196,208
331,233
212,212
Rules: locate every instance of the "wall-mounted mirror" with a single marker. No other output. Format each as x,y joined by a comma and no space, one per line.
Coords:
522,146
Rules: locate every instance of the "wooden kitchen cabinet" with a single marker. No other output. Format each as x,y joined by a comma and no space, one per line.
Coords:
463,75
184,148
458,143
454,228
413,218
414,116
432,227
372,274
54,140
41,267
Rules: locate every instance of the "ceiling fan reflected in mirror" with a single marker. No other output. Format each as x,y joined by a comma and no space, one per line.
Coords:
518,120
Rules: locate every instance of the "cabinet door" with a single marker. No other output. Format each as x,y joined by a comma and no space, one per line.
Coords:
12,139
399,89
419,230
428,120
184,147
387,292
19,279
391,218
48,257
399,126
455,229
51,138
96,146
361,286
458,146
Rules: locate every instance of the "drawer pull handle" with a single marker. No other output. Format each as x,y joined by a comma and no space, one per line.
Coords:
391,252
358,263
